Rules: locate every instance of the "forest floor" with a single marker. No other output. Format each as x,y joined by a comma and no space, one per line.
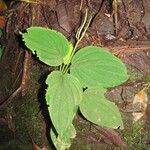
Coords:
123,27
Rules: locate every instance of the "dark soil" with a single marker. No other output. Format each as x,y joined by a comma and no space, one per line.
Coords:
123,28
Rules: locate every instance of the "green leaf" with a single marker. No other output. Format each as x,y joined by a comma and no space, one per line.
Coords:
63,143
50,46
97,109
63,96
96,67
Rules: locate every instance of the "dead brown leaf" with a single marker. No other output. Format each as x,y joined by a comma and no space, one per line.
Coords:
113,136
140,103
35,147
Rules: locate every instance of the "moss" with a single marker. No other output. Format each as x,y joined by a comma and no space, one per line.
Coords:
134,76
135,136
27,122
88,138
137,76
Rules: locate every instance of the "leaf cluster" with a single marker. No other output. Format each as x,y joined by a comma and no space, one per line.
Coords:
92,67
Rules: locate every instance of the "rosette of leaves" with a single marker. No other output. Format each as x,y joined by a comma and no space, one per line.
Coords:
92,67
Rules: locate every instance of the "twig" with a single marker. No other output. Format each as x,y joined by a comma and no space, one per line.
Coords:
79,35
81,4
18,58
115,11
5,102
123,49
26,73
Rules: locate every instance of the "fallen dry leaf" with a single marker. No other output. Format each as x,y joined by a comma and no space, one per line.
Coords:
2,5
113,136
140,105
62,17
2,22
35,147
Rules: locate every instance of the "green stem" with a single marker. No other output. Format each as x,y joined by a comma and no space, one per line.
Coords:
79,35
74,49
63,68
60,68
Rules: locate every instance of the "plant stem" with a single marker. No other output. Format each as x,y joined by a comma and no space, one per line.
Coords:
60,68
79,35
63,68
74,49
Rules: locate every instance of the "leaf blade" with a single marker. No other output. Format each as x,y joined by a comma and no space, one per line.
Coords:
97,109
65,141
63,96
96,67
50,46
